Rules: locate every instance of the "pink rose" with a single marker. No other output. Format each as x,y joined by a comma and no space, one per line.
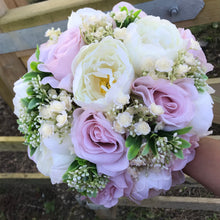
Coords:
152,184
117,187
176,99
57,59
129,7
95,140
187,36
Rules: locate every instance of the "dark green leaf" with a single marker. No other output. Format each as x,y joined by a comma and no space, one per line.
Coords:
32,150
133,151
153,146
25,102
34,103
34,65
146,149
137,13
203,76
130,141
28,76
37,52
185,144
182,131
30,90
179,154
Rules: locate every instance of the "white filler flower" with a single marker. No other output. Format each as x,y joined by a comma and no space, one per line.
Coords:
142,128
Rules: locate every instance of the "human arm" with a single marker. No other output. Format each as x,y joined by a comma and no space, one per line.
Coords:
205,168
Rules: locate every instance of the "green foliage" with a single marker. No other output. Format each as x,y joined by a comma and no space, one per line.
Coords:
175,143
131,16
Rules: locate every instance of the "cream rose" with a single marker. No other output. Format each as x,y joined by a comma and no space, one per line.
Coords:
101,72
152,37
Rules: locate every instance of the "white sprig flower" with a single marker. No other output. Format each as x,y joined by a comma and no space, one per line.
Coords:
156,109
189,59
61,119
57,106
142,128
52,93
53,35
46,129
124,119
45,112
118,128
164,64
120,16
122,99
182,69
120,33
149,64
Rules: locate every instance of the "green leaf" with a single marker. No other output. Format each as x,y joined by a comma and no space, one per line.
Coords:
179,154
34,103
133,151
124,8
28,76
185,144
203,76
25,102
37,52
32,150
129,141
146,149
153,146
34,65
30,90
182,131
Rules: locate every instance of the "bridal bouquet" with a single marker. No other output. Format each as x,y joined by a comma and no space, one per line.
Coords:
115,105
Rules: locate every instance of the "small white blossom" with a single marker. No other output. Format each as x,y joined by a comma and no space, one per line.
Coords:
122,99
148,65
52,93
156,109
159,126
164,64
118,128
46,130
67,101
120,33
53,35
120,16
189,59
45,112
57,106
61,119
142,128
182,69
124,119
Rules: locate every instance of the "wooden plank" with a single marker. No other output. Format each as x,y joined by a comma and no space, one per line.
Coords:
3,8
10,3
190,203
12,144
20,3
11,69
50,11
209,14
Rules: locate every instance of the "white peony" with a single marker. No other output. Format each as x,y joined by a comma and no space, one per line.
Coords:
20,88
152,37
203,115
99,79
53,158
87,16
